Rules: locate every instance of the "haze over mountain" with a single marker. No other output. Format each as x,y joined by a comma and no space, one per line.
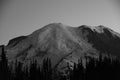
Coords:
64,44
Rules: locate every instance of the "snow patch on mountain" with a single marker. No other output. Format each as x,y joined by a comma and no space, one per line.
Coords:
98,29
114,33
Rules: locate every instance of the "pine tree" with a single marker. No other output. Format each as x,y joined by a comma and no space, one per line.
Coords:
33,70
47,69
19,73
4,69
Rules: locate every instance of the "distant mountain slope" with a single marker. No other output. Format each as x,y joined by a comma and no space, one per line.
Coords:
63,44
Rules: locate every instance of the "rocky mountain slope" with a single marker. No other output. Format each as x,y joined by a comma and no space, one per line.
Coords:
63,44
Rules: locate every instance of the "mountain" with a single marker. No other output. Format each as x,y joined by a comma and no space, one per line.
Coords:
63,44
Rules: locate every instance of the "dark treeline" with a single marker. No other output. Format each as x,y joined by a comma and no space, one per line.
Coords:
96,69
103,68
31,72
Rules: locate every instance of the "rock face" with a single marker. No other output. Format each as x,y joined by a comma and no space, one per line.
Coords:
63,44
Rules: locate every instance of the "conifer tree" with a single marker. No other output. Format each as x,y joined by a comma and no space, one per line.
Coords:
4,69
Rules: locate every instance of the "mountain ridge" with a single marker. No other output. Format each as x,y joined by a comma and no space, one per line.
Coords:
63,44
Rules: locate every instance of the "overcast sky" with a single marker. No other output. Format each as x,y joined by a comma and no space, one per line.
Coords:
22,17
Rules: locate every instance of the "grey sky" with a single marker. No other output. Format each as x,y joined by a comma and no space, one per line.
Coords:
22,17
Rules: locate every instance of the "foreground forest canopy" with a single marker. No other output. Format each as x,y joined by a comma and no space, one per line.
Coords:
103,68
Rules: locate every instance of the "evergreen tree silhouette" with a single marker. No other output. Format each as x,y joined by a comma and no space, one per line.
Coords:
47,69
33,71
4,69
18,71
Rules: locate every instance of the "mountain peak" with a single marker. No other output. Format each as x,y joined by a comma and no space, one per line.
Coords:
56,25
